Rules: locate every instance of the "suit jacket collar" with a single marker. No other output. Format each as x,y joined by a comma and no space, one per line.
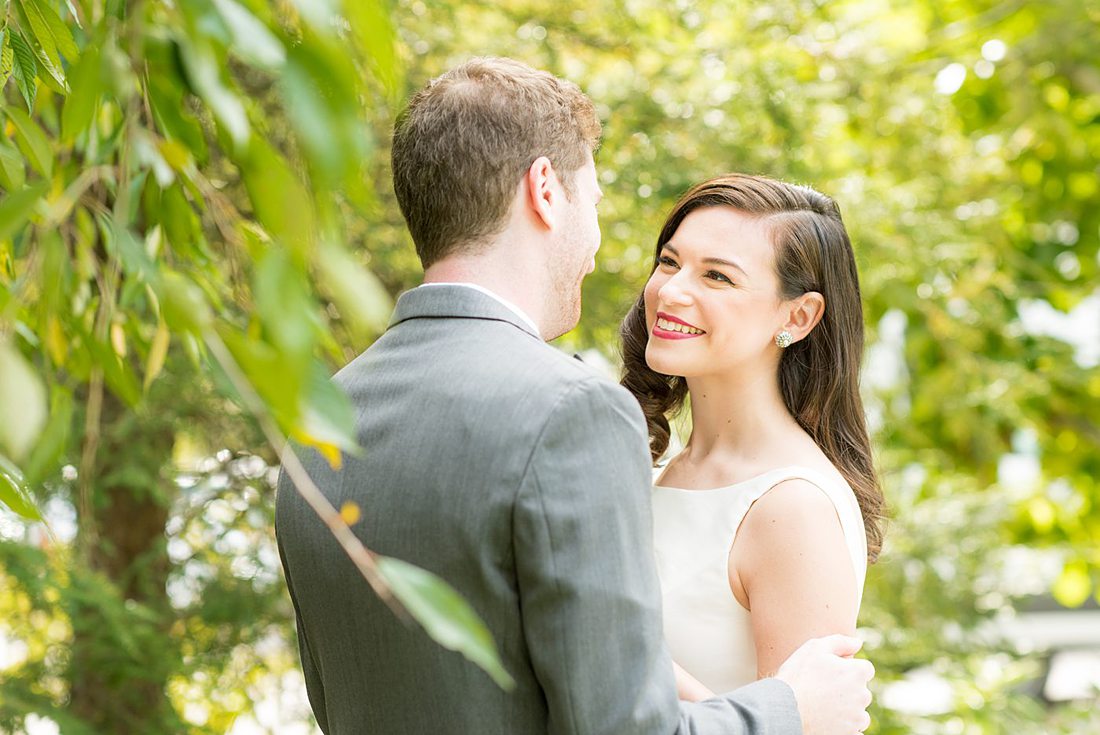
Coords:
454,302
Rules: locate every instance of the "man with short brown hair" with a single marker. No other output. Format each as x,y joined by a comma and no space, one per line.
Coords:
505,467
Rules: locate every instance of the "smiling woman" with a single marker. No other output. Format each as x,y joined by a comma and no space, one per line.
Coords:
765,522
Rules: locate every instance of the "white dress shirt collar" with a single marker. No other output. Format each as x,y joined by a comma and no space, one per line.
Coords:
503,301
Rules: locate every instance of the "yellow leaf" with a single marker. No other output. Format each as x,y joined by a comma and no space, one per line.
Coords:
176,154
118,339
158,350
56,345
349,513
330,452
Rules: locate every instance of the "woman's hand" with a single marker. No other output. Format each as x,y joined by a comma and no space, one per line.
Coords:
688,687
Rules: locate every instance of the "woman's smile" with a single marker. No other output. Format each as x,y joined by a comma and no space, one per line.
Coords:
667,326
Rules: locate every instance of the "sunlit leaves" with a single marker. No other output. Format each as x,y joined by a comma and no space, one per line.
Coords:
12,170
81,103
282,204
284,305
15,208
320,85
158,352
32,141
14,492
447,618
1073,585
54,439
373,30
361,298
252,40
24,68
22,403
205,74
48,39
183,304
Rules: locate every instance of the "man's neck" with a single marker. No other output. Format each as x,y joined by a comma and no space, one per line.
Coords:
516,285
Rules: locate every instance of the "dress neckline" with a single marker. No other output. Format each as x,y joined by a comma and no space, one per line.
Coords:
796,470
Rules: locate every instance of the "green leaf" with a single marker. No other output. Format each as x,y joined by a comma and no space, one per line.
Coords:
24,68
445,616
373,29
22,403
42,43
33,21
178,219
166,96
13,173
183,303
252,41
60,32
318,13
130,252
17,207
284,305
361,298
278,381
32,141
55,437
55,78
80,105
116,371
14,492
7,56
326,418
320,86
281,203
73,13
205,76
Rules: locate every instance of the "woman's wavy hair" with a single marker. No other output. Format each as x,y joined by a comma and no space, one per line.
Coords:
818,375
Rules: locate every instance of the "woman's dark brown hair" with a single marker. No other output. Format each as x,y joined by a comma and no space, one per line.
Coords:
818,375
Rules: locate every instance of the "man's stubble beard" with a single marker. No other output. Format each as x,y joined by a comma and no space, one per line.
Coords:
566,279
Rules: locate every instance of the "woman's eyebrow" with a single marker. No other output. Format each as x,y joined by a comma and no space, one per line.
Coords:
711,261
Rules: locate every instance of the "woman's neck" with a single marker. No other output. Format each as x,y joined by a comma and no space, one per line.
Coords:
741,417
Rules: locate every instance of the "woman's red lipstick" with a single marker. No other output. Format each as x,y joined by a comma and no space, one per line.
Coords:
670,331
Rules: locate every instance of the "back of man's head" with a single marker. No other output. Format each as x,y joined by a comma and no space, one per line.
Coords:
462,146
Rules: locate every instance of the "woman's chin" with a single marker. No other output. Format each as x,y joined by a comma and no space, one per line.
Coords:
661,364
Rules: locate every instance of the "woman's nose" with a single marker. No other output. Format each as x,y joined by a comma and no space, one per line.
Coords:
673,292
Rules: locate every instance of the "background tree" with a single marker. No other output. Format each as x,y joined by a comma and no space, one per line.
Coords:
961,141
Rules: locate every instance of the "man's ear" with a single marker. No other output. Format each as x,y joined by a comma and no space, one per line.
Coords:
805,312
541,192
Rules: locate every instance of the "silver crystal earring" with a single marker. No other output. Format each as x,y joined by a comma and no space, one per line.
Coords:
784,339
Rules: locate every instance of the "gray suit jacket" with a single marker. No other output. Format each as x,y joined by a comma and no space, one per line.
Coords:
522,478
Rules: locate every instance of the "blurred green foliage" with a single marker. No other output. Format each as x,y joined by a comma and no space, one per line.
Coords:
208,172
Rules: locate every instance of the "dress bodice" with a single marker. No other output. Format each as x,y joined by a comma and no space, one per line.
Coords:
707,630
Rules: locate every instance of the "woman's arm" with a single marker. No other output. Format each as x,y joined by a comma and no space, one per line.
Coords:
688,688
791,565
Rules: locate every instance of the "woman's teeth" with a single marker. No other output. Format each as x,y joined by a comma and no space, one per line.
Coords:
677,327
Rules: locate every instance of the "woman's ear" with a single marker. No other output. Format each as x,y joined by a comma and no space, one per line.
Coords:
805,312
540,190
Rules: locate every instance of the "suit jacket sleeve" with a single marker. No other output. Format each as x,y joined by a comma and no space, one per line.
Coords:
588,585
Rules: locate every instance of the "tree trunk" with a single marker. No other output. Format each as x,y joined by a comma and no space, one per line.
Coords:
121,653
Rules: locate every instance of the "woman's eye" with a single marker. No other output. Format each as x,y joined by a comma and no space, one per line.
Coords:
665,260
718,277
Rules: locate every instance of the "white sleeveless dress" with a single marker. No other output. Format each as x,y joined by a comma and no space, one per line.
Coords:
707,630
